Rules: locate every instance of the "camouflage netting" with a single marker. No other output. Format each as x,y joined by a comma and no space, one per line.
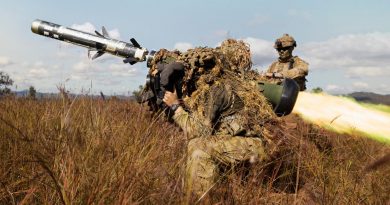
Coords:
228,64
163,56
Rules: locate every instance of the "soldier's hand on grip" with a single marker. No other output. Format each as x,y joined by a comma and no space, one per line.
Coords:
170,99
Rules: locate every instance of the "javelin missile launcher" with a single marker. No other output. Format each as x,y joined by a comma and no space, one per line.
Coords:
99,42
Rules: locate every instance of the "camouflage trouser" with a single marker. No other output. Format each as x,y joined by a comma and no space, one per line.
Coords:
205,154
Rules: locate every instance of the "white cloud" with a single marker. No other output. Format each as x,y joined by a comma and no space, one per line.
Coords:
82,66
355,53
38,72
32,72
183,46
367,71
332,87
262,51
4,61
110,82
337,89
26,74
355,56
357,86
35,71
86,65
77,77
86,69
122,70
382,89
62,54
360,85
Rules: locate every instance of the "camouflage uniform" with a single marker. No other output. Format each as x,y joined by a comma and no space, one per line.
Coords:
218,139
291,67
295,68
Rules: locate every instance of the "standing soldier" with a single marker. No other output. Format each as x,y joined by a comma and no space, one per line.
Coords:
287,65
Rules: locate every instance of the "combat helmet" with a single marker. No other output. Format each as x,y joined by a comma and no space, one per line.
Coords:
285,41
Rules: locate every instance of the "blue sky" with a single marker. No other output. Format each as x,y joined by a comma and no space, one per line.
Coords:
346,43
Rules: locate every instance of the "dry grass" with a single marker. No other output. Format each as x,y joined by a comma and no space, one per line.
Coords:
88,151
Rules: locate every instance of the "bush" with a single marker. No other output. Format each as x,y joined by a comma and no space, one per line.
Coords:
5,81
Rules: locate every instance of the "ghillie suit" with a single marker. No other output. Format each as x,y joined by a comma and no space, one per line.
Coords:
230,65
228,119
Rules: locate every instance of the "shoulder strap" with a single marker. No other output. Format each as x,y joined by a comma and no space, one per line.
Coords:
291,63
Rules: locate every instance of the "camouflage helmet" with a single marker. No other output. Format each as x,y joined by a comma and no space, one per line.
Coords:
285,41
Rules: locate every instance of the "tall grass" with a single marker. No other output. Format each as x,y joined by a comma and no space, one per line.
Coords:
87,151
90,151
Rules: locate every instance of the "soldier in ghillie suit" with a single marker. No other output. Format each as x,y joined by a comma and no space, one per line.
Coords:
224,114
287,65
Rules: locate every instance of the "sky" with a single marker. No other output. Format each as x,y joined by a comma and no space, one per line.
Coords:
346,43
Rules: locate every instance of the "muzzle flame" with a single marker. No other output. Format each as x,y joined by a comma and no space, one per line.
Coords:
343,115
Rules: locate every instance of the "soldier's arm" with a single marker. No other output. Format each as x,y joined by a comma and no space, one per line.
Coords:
272,72
190,123
300,69
271,68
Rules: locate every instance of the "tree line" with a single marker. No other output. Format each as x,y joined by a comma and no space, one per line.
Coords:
6,82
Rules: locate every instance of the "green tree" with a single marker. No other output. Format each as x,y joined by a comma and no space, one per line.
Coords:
5,81
32,92
317,90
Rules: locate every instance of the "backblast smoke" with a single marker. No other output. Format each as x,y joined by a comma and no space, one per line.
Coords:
343,115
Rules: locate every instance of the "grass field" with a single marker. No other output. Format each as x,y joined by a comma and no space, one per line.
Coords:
90,151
